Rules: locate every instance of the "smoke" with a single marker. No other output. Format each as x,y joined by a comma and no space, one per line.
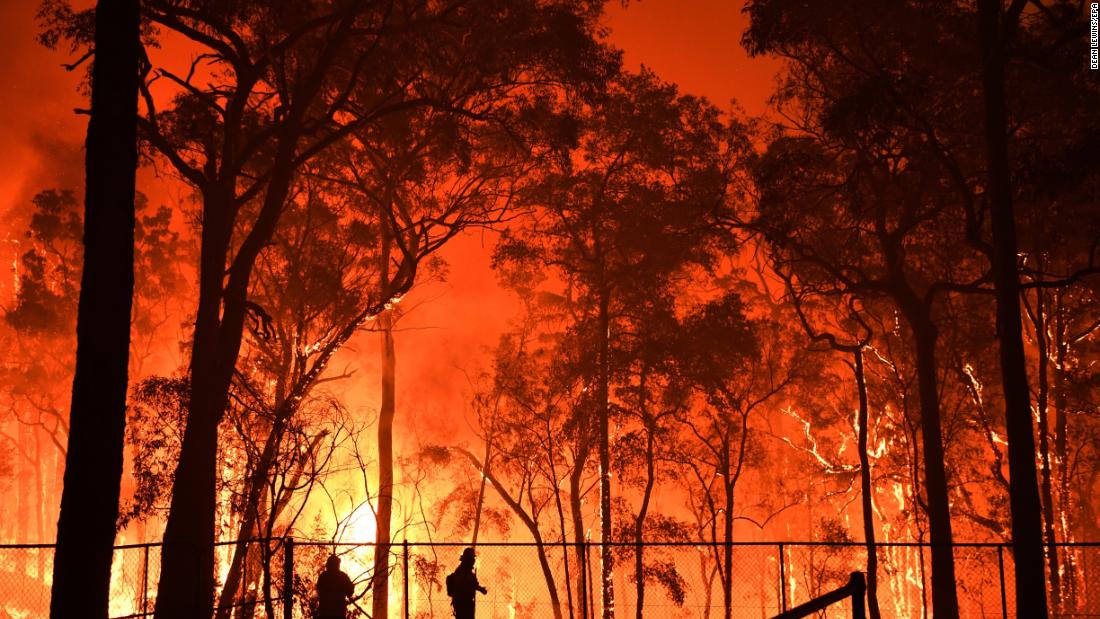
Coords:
40,135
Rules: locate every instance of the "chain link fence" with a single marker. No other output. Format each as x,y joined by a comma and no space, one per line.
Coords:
563,581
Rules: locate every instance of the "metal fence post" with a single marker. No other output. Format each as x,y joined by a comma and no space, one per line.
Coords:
1001,571
145,582
782,581
405,557
859,589
288,578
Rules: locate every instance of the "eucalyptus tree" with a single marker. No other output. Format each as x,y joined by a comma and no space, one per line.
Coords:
738,367
850,335
309,285
651,398
883,210
424,176
41,320
621,211
874,75
842,243
267,89
368,216
1025,48
1055,241
524,414
38,338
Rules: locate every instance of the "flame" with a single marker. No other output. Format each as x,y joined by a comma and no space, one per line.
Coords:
813,450
361,526
360,529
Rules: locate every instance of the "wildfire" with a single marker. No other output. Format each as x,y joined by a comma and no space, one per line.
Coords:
361,526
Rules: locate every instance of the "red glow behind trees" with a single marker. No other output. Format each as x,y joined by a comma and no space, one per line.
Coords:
322,158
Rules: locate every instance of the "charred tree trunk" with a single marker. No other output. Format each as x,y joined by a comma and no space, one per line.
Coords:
607,564
186,587
945,601
186,583
639,523
1027,534
93,462
1061,456
1046,483
866,489
381,581
727,546
575,480
707,573
551,454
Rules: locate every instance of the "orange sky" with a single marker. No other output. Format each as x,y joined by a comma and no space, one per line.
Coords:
694,43
691,42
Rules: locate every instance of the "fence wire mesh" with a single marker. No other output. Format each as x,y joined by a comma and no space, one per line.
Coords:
25,577
557,581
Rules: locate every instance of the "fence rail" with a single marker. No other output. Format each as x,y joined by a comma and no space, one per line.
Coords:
854,590
561,579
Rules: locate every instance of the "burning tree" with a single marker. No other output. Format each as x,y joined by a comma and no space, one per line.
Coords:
619,215
738,369
269,90
853,79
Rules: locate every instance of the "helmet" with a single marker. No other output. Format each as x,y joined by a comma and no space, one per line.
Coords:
468,556
333,563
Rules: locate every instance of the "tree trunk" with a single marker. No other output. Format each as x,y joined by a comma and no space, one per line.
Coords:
575,479
481,486
707,574
286,407
236,579
97,418
381,581
1061,457
727,548
548,576
1027,534
866,489
607,564
1046,485
945,602
186,586
39,504
639,524
551,453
